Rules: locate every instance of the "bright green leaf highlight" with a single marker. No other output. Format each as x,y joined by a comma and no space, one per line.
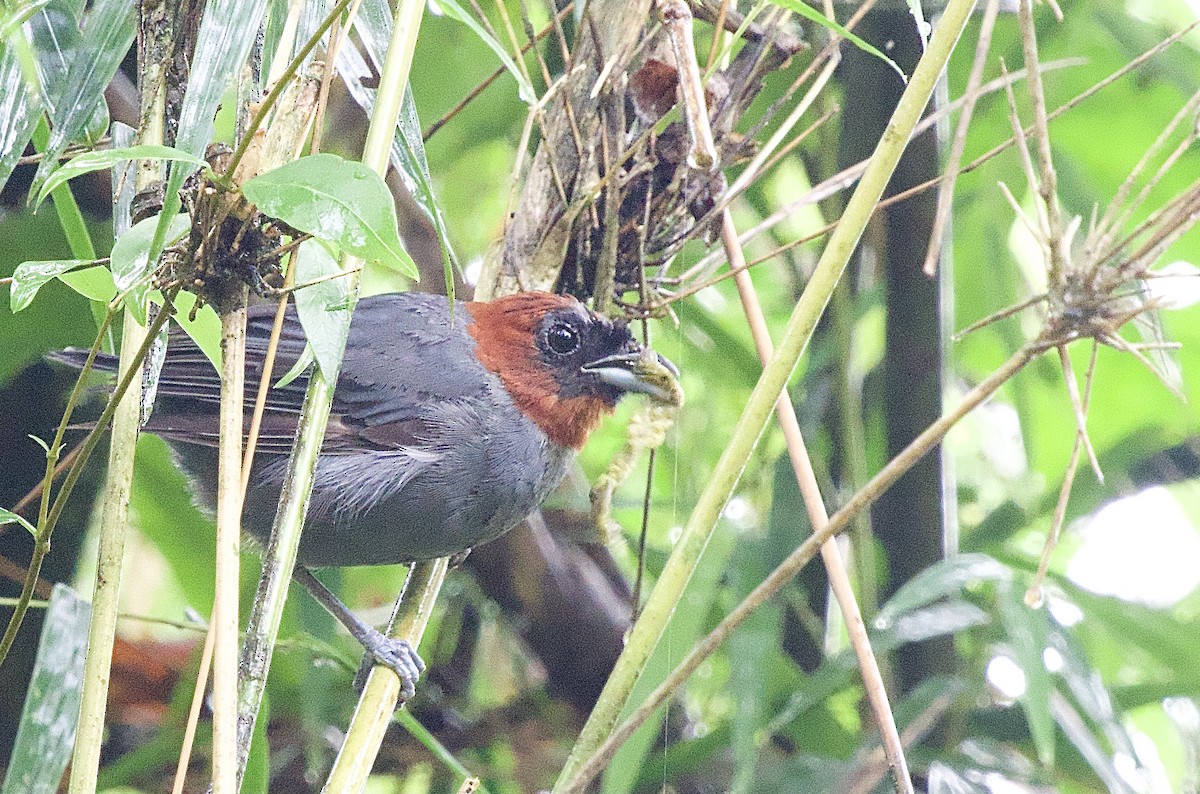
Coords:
9,517
204,330
339,201
811,14
524,89
107,158
130,254
94,283
29,277
322,307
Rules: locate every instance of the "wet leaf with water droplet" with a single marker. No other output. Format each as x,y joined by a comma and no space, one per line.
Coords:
339,201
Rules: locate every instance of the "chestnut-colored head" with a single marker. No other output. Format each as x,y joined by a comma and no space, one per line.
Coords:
563,365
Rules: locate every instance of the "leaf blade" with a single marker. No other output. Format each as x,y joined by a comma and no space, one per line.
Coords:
102,159
339,201
30,277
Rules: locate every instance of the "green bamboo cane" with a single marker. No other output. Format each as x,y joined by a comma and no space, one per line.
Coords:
646,632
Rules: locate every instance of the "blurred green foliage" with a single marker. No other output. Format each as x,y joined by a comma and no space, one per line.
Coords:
1103,689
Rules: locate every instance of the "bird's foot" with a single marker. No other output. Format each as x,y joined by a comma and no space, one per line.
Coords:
397,655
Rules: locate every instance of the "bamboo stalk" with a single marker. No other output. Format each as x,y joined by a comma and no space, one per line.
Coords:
378,702
364,735
224,626
85,760
775,581
646,632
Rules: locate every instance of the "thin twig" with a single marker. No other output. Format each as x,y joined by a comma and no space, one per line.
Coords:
479,89
1033,300
1079,405
1047,186
718,35
796,561
970,96
86,757
193,720
1034,595
676,19
806,480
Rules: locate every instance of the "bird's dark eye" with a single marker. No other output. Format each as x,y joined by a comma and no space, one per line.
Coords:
562,338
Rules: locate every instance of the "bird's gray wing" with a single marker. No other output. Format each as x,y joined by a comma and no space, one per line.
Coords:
404,353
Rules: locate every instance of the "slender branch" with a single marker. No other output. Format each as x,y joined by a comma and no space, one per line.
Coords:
787,570
810,491
224,622
364,737
1048,185
971,95
189,730
646,632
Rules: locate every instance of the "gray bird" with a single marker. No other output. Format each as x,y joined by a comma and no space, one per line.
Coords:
445,432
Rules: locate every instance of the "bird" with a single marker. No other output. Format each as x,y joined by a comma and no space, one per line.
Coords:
450,423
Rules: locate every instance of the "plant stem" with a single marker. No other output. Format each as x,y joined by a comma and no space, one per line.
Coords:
85,760
279,560
818,517
364,735
795,561
646,632
224,626
374,712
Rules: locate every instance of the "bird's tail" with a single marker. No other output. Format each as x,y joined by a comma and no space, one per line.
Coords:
76,357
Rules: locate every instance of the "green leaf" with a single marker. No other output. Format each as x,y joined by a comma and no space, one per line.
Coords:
204,330
323,307
105,39
131,252
339,201
947,578
302,364
47,732
798,7
107,158
9,517
20,102
17,17
1027,631
29,277
93,283
524,89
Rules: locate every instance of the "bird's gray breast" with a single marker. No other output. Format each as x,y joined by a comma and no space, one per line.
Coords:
477,470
